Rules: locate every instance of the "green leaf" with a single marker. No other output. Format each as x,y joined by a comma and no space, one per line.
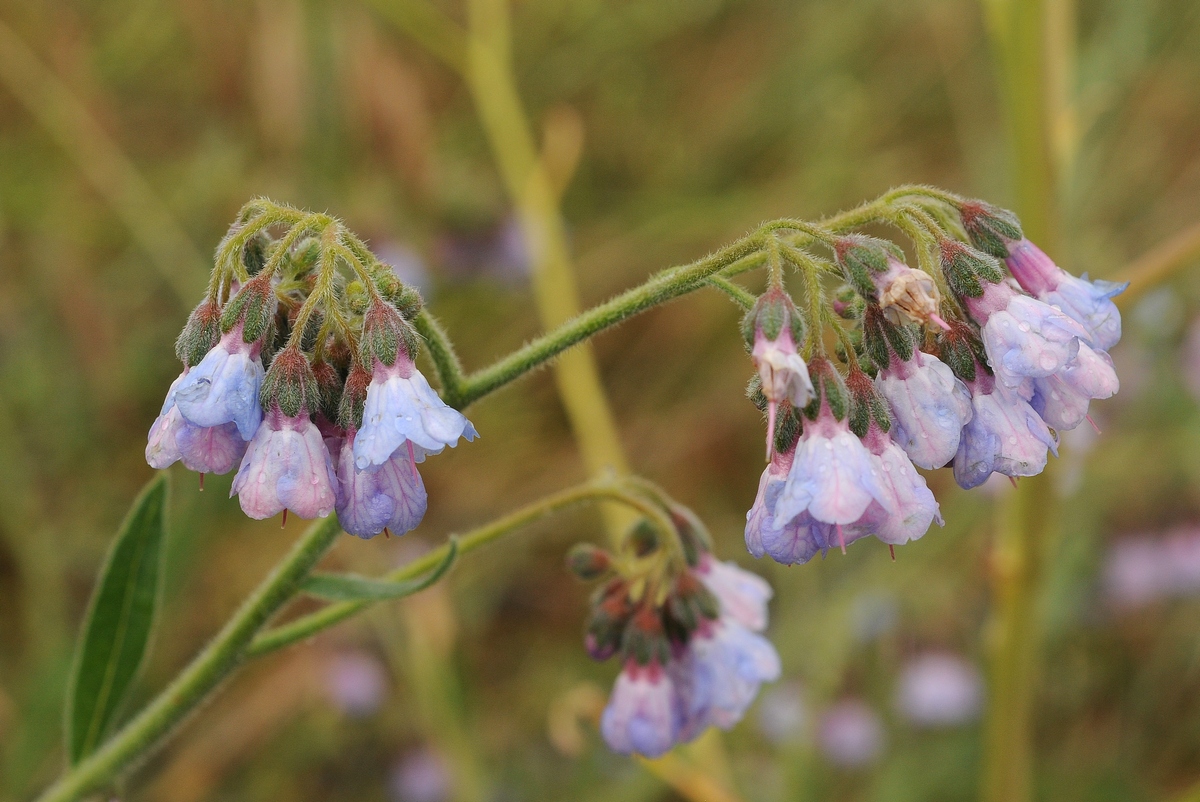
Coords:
116,630
352,587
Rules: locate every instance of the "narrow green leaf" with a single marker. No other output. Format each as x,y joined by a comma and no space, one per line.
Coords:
116,630
352,587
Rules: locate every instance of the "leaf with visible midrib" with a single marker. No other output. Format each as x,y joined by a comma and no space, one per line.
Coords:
116,630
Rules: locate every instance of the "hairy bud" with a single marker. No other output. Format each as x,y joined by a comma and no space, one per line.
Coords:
199,334
290,384
254,307
588,562
990,227
966,268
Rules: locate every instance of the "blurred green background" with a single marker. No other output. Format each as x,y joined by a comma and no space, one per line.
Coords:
132,130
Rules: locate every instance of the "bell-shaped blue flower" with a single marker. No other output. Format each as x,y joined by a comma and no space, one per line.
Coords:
1062,399
1024,337
389,496
743,596
287,466
1088,302
1005,435
400,407
912,508
725,666
643,715
930,406
215,449
224,387
832,477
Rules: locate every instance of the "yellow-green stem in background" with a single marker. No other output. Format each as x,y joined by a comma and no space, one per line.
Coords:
489,74
1033,56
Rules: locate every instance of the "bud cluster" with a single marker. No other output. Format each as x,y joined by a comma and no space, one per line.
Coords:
687,633
304,378
978,367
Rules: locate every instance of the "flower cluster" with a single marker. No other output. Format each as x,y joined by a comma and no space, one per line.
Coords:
304,379
978,368
688,638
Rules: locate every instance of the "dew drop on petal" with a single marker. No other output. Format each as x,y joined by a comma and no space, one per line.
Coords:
1023,326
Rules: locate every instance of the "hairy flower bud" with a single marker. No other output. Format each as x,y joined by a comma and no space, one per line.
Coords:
290,383
200,333
387,336
588,562
862,258
990,228
966,269
254,307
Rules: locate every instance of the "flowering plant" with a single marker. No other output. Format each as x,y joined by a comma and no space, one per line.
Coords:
300,371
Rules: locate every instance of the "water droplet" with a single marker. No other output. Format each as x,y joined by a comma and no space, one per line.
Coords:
1048,361
1023,326
1012,441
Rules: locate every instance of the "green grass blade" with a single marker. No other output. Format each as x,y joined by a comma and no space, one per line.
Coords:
116,630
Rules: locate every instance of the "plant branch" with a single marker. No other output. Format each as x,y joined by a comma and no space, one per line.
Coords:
603,489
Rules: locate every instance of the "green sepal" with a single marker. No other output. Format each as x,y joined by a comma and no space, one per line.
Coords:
829,387
773,312
290,383
116,631
329,386
354,397
966,268
642,538
860,257
253,306
304,257
990,228
255,253
693,534
963,352
200,334
788,428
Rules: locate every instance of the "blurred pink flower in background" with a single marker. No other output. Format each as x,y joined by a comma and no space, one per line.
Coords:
851,734
1141,570
938,690
356,683
420,776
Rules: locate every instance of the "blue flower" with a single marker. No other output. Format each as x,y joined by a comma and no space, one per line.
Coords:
1023,337
215,449
643,715
1062,399
1005,435
390,496
929,405
1088,302
743,596
912,508
224,387
400,407
798,540
725,666
831,478
287,466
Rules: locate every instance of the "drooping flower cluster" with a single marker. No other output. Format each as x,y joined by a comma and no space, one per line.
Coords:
689,641
981,378
339,419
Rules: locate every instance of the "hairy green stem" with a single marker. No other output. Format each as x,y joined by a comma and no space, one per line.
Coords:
149,728
603,489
